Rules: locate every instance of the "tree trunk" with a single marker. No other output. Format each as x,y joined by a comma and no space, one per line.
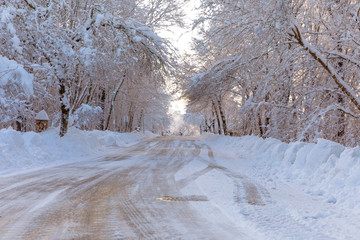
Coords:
223,119
213,121
207,126
117,89
264,116
141,119
341,119
261,132
18,126
64,107
102,105
131,118
341,101
217,117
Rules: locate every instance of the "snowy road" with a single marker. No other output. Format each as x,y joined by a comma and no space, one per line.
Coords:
165,188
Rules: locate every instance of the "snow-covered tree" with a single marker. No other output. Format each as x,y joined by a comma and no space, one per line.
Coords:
82,52
16,87
289,68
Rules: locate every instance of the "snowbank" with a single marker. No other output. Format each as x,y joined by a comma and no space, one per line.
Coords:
22,151
328,169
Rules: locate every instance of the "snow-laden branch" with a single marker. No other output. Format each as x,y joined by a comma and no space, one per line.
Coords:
346,57
142,37
30,4
13,72
321,113
142,41
296,34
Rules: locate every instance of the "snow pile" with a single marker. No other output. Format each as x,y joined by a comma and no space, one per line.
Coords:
20,151
326,168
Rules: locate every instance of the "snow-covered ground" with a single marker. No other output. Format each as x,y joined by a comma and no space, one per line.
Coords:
30,150
266,189
299,184
326,168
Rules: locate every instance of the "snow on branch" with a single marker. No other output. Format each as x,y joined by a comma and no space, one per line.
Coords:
142,37
144,43
346,57
12,72
30,4
296,34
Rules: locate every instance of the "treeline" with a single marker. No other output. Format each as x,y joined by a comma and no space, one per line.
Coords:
284,69
95,64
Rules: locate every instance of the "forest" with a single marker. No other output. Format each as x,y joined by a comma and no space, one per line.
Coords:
284,69
87,63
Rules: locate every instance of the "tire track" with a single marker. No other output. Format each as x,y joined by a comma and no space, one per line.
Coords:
254,202
244,189
97,201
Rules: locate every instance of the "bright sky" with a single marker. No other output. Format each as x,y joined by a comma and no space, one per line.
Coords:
181,39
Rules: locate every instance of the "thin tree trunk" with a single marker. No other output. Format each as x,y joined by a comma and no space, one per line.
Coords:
207,126
341,119
265,118
88,96
223,119
80,97
217,117
141,118
213,121
341,101
64,107
131,118
102,105
260,124
117,89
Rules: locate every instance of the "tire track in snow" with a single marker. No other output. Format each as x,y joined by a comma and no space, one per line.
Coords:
254,202
100,202
244,188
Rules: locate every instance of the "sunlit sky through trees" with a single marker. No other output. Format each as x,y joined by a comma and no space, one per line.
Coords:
181,39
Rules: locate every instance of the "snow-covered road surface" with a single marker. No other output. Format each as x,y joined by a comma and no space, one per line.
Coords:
164,188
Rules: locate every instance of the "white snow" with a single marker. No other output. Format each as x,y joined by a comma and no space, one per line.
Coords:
51,197
301,184
13,72
7,14
326,168
304,190
42,115
30,150
88,54
99,19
